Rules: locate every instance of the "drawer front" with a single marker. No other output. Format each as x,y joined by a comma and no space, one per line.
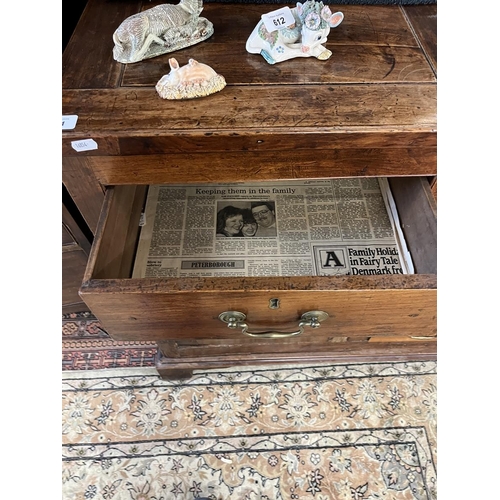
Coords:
155,313
157,309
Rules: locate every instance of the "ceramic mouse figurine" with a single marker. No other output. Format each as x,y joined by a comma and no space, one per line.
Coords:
195,79
313,21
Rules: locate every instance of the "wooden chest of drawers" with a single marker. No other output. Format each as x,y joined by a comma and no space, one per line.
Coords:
368,111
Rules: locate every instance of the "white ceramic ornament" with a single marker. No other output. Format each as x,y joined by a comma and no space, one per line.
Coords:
195,79
304,38
159,30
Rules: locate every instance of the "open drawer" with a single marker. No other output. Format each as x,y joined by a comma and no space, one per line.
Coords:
375,309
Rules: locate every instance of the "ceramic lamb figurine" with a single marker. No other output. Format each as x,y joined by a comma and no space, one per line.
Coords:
313,21
192,80
159,30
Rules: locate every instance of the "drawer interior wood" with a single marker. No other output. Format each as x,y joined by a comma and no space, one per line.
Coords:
418,214
162,308
118,232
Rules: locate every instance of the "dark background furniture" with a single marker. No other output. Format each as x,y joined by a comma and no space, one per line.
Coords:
76,235
76,241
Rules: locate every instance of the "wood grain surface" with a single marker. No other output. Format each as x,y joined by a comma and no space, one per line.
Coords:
176,359
423,21
376,92
369,110
163,313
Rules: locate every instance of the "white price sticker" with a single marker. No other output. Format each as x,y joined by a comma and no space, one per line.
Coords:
277,19
69,122
142,220
84,145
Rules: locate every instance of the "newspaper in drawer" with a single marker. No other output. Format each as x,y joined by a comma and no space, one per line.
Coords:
289,228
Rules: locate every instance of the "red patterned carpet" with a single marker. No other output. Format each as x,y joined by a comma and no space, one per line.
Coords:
86,346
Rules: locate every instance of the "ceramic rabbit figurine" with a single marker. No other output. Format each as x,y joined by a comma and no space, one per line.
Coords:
195,79
313,21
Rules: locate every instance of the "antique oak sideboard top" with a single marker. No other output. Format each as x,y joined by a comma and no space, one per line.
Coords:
369,110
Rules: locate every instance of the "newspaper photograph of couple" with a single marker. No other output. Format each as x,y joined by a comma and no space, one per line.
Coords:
289,228
246,219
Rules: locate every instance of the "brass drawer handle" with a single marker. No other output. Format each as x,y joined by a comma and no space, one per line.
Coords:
236,319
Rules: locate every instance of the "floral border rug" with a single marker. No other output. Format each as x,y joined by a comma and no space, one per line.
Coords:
325,432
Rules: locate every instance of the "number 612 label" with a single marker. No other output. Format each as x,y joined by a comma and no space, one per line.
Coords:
278,19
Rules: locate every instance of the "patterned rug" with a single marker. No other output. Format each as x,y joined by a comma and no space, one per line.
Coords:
86,346
326,432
